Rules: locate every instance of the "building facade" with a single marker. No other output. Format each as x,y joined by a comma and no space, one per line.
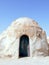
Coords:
23,38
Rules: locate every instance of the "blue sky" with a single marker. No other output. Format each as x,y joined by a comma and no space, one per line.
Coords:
35,9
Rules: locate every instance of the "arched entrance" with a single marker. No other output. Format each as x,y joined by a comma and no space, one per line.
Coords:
24,46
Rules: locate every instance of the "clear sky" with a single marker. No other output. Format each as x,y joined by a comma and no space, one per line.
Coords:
35,9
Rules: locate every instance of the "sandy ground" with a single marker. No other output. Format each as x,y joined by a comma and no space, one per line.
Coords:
26,61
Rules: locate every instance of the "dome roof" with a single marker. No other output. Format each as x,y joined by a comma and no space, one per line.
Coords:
25,21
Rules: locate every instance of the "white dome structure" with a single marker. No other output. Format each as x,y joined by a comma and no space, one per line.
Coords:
24,38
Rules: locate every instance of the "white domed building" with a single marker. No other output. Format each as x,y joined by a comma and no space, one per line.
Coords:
23,38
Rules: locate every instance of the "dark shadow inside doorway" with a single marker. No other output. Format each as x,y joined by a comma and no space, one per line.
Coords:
24,46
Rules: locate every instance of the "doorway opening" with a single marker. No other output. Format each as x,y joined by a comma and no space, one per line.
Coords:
24,46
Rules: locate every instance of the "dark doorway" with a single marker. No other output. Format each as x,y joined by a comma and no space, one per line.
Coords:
24,46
